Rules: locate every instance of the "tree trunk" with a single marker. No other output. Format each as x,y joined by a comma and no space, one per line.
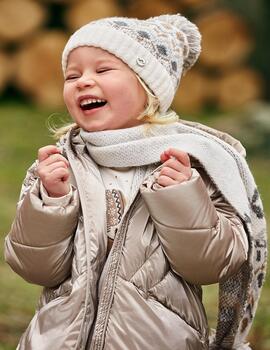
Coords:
58,1
38,68
226,40
5,70
145,9
192,92
238,87
83,12
19,18
196,4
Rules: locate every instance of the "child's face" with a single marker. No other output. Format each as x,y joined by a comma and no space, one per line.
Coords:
101,92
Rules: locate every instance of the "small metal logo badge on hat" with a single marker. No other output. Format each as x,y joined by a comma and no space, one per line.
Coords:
141,62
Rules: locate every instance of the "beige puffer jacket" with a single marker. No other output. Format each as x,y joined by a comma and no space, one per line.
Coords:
171,241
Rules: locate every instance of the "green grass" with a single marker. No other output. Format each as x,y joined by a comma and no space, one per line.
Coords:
17,303
23,131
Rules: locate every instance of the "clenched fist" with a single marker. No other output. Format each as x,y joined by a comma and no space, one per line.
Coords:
53,171
176,167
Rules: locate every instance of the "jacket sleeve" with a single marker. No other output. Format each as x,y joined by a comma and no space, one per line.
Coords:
202,236
39,246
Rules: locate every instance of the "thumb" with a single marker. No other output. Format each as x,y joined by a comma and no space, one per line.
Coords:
46,152
164,156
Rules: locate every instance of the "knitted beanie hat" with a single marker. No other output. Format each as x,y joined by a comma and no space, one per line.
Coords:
159,49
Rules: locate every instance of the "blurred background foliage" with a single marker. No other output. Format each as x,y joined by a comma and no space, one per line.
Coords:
229,88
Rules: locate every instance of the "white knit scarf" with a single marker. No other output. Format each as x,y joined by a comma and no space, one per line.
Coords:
142,145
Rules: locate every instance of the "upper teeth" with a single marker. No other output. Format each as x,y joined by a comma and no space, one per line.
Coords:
91,100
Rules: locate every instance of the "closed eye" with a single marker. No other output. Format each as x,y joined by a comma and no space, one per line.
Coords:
71,77
103,70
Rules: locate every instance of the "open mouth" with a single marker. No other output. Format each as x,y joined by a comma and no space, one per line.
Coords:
89,104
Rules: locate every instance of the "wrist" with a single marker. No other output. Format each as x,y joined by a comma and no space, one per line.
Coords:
58,194
60,200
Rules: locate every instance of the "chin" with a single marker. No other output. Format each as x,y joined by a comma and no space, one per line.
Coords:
94,128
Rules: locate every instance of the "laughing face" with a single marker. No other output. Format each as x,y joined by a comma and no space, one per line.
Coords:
101,92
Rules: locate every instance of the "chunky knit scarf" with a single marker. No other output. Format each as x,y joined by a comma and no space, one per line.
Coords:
227,168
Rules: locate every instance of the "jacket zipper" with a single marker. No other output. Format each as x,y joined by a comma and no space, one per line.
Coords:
82,338
109,287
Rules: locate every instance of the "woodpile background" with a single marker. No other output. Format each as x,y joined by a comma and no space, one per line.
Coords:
33,34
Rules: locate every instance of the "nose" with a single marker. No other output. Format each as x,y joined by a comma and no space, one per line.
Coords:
85,81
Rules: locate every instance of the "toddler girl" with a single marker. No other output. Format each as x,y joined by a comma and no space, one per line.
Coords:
133,210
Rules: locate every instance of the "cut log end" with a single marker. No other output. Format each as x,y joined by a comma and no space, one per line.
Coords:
226,39
238,87
144,9
19,18
86,11
38,69
192,93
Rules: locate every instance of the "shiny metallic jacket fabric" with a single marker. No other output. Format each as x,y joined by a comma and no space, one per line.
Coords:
172,240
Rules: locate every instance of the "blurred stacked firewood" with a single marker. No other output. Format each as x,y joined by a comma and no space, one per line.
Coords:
31,47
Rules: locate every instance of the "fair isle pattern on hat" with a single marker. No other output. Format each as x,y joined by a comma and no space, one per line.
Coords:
159,49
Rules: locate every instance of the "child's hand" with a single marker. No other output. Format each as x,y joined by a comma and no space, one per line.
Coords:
176,167
53,171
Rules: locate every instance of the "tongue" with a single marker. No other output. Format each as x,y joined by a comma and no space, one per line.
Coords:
93,105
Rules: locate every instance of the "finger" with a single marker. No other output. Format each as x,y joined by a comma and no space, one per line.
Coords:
164,156
46,167
182,156
173,174
51,167
64,174
166,181
53,159
59,174
179,167
174,164
47,151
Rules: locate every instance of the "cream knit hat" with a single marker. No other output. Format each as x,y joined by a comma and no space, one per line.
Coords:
159,49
